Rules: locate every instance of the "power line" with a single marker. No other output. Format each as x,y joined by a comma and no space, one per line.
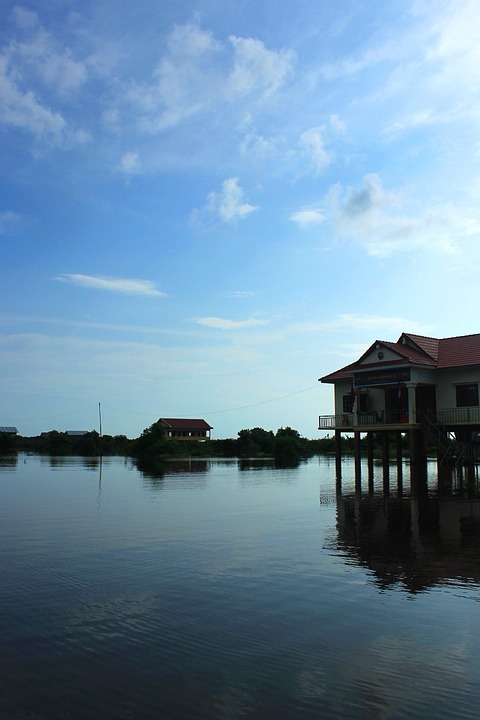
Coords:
262,402
155,414
217,412
52,417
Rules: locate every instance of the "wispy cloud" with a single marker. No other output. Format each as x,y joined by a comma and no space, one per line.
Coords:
127,286
308,217
224,324
374,324
36,75
198,72
241,294
8,221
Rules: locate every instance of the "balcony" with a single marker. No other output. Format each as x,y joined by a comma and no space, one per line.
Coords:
363,420
388,418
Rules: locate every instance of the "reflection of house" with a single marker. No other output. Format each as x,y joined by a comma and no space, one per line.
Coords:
416,383
417,542
182,429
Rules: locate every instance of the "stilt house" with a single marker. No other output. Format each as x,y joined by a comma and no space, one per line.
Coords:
418,383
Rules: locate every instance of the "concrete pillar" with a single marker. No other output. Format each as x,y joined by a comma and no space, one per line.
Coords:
338,457
412,403
386,463
399,462
370,461
358,463
418,461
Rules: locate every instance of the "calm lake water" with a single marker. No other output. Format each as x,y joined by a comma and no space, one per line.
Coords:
225,590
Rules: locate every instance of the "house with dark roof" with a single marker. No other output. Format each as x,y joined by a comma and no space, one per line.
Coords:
8,430
186,429
402,383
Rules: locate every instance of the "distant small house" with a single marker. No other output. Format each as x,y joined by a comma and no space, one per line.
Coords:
186,429
77,433
8,430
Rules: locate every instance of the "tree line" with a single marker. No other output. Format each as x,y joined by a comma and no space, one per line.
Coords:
286,445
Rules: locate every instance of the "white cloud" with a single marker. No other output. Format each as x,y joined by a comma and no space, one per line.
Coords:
257,69
37,54
380,221
229,204
22,110
185,80
307,218
31,67
257,147
130,163
224,324
337,124
25,19
198,73
121,285
456,45
313,148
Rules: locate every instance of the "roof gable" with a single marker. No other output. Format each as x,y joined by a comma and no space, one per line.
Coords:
443,353
381,352
424,344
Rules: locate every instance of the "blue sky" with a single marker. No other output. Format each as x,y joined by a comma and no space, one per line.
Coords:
206,206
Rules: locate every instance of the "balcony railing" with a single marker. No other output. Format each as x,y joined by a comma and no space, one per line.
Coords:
459,416
450,416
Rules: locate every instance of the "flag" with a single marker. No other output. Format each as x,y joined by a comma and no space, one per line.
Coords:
399,393
353,395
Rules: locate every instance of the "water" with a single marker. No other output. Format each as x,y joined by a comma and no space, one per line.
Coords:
224,590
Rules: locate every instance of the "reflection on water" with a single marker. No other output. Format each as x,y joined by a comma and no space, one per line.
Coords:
417,542
222,590
9,462
425,536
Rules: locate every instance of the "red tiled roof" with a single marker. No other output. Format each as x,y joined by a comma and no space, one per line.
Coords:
186,424
442,353
459,351
342,374
427,344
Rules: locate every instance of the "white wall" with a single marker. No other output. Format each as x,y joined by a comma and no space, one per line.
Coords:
447,380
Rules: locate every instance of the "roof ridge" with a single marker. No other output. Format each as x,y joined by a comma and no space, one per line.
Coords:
426,337
457,337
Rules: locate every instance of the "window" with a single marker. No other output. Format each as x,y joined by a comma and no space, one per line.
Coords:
467,395
348,402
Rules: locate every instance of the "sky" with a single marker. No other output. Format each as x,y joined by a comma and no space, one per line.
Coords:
207,206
